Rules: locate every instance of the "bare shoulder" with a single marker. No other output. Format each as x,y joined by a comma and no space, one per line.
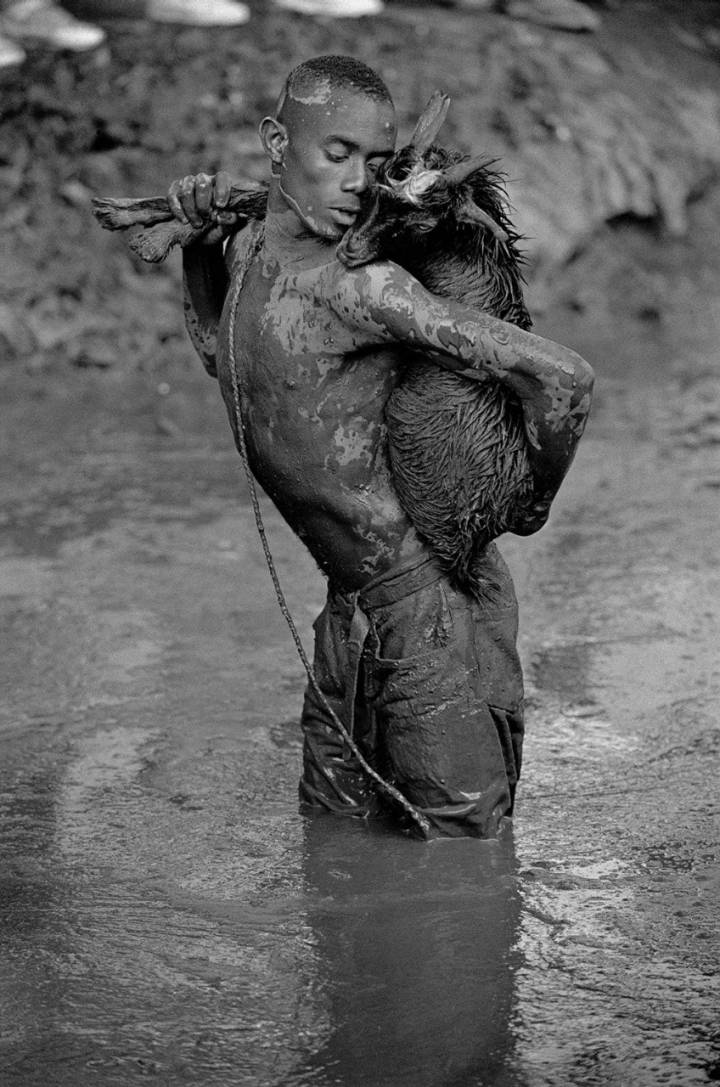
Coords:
375,286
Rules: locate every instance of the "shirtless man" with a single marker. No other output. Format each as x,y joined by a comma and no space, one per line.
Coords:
425,678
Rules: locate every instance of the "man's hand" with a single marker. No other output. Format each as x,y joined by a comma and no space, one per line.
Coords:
200,200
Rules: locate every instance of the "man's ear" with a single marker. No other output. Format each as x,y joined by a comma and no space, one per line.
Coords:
274,138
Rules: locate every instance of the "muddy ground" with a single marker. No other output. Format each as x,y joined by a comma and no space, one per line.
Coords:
167,915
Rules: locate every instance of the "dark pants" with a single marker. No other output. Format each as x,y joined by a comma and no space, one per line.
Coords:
427,681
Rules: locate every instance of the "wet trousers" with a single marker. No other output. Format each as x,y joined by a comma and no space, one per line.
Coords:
427,681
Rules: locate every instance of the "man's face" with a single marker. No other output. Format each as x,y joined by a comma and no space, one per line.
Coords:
336,142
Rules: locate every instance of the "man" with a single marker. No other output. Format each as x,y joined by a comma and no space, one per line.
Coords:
425,678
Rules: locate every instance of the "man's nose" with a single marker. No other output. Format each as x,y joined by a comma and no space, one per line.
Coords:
356,179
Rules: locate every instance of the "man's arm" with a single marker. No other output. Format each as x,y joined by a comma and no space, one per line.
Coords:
201,199
205,284
552,383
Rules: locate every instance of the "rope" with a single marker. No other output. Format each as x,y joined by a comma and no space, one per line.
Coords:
240,272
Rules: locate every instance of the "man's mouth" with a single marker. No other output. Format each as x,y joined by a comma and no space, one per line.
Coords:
346,216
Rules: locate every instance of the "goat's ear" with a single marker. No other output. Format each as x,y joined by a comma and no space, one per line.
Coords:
430,121
457,173
469,212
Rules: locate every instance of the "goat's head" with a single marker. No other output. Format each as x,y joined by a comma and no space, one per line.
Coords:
419,190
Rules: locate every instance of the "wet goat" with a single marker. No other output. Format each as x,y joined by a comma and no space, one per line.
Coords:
457,446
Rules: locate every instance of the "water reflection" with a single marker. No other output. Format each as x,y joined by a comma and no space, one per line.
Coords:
415,955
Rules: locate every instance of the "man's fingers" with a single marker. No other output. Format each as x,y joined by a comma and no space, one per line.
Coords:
199,199
223,185
203,195
173,199
186,196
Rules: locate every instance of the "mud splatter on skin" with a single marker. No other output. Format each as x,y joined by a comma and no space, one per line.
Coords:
318,96
553,383
351,446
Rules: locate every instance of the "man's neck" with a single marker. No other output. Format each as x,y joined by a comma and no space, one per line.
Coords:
288,238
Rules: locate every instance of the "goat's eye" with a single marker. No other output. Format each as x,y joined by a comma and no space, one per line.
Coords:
396,174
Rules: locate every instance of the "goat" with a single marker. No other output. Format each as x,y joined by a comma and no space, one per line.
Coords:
457,446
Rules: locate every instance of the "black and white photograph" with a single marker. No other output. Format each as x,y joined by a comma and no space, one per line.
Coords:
359,525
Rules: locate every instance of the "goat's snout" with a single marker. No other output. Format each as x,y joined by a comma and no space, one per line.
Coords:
361,243
356,247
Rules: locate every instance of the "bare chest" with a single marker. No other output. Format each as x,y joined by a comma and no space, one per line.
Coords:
298,357
312,391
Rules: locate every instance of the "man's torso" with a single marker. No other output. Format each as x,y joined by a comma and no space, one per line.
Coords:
313,393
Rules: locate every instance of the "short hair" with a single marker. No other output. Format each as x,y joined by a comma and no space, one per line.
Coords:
335,71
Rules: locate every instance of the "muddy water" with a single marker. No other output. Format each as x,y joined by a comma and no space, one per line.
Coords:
167,915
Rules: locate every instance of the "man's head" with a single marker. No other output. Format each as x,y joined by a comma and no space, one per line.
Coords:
334,125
